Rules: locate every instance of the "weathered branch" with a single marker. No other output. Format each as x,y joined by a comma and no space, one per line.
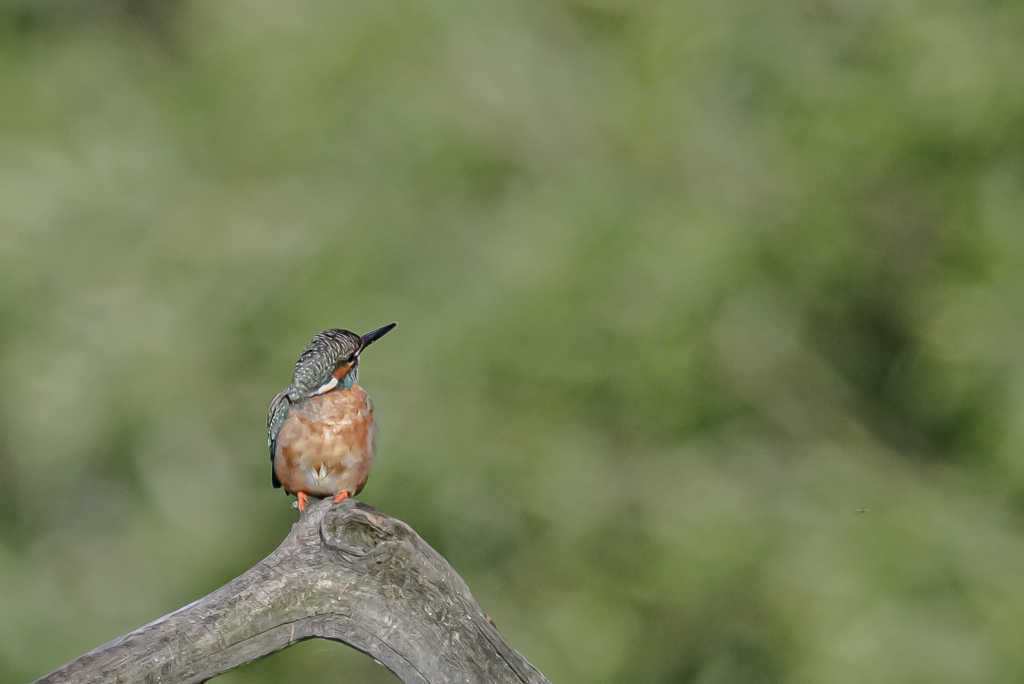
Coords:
346,572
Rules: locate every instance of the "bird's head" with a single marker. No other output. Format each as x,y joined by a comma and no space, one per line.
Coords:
331,360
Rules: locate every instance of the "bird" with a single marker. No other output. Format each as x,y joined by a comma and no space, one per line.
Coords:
320,429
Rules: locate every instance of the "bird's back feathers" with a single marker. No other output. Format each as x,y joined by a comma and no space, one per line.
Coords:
275,419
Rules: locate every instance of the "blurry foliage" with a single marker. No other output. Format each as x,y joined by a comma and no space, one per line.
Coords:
681,287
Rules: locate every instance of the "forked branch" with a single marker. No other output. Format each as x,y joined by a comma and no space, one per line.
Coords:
346,572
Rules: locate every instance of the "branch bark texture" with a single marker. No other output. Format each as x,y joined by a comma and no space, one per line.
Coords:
346,572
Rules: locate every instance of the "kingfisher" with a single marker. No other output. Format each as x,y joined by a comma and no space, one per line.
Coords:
320,428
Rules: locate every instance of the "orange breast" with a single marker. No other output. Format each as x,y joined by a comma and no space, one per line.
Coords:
326,444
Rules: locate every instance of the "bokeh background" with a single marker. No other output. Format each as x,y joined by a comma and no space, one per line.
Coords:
710,364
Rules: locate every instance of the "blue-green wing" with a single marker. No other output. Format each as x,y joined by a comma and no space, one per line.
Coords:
275,420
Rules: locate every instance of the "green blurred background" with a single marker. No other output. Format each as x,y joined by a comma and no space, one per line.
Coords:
682,287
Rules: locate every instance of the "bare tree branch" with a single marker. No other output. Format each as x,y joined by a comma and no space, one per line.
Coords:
346,572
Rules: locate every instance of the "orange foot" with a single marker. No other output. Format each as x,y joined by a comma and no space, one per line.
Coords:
302,500
340,497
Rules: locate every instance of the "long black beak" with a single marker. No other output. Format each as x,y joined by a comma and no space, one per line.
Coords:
371,337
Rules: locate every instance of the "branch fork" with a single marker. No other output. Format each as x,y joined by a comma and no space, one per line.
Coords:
347,573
